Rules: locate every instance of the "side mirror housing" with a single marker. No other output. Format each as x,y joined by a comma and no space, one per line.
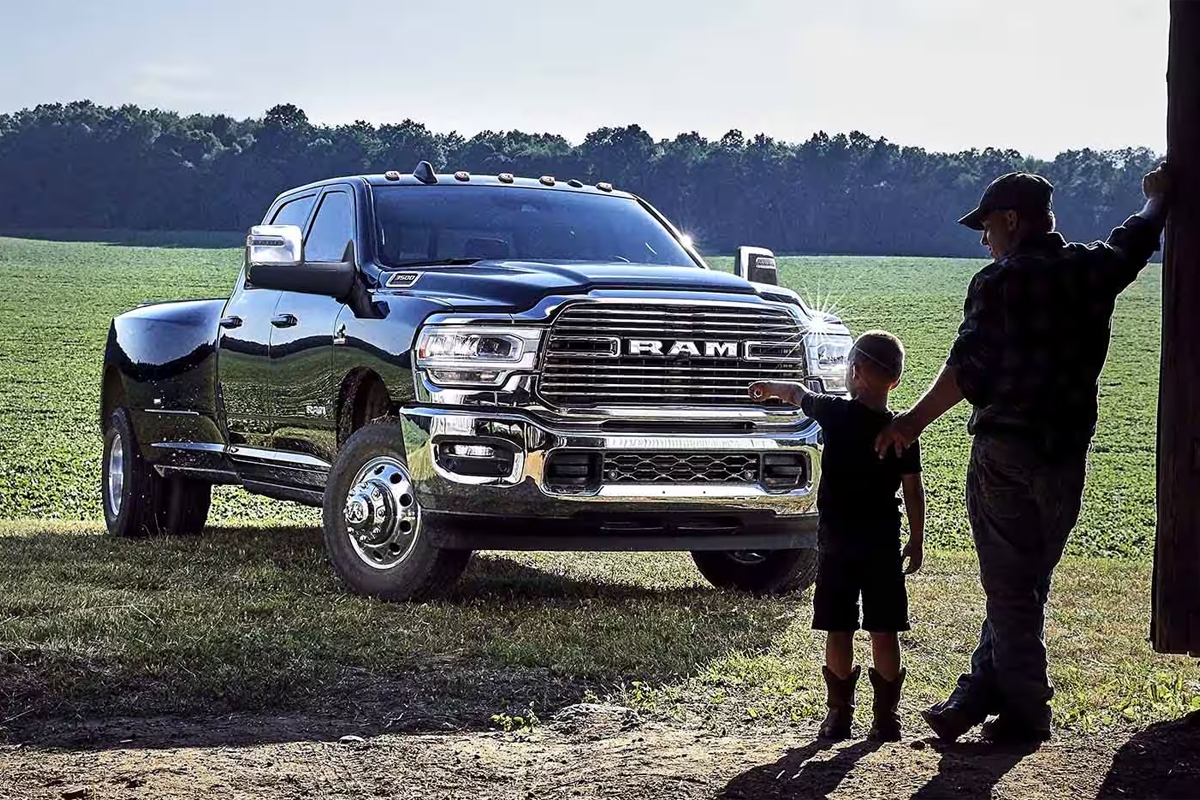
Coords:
757,265
275,260
275,246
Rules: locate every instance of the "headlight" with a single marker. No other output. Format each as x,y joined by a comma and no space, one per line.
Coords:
827,354
466,355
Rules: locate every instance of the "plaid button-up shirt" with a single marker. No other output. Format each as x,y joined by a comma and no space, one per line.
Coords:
1035,334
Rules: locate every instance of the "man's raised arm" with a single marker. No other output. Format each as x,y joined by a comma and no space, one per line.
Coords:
1136,241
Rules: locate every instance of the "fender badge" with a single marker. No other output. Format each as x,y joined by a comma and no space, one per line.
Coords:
402,280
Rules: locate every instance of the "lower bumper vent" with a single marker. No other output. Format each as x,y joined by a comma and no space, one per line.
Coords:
681,468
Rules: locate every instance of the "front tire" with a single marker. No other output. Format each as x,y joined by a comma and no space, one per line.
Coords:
768,572
374,532
137,500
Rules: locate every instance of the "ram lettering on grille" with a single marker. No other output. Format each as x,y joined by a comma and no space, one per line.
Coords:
659,354
651,347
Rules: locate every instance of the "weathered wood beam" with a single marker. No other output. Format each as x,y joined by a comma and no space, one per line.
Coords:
1175,626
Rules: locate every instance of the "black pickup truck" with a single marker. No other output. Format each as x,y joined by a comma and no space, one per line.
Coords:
448,362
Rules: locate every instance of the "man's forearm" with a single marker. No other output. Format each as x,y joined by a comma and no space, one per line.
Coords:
942,396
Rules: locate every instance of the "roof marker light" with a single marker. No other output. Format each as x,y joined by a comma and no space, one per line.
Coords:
462,175
575,183
391,175
547,180
604,186
506,177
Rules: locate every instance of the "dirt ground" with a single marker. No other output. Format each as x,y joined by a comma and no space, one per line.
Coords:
584,752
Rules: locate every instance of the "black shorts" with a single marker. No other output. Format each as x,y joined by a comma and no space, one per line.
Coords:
877,575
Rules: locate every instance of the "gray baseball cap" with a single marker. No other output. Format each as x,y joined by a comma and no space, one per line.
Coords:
1016,191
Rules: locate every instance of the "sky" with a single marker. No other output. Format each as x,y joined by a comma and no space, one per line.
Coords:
1039,76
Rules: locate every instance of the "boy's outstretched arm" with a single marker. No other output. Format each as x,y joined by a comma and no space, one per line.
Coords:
787,391
914,506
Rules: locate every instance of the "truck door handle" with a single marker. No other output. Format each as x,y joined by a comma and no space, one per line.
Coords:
231,322
284,320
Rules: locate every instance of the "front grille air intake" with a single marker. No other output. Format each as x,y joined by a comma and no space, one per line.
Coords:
775,471
658,354
683,467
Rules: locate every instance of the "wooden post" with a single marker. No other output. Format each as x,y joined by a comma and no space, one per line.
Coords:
1175,620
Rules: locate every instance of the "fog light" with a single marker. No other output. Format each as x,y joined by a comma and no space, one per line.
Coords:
475,460
472,451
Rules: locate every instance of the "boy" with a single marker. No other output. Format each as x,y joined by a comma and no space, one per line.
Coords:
859,530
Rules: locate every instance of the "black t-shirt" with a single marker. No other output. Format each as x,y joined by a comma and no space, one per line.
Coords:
857,499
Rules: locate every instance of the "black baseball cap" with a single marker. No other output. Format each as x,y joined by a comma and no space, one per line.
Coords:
1016,191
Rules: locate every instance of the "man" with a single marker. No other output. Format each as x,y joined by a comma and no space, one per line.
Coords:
1028,356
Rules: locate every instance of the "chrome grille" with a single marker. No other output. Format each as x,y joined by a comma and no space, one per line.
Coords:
711,354
681,468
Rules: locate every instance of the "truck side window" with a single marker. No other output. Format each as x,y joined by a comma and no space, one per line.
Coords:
332,228
294,212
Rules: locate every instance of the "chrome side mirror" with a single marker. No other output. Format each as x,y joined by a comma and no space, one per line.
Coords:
275,246
757,265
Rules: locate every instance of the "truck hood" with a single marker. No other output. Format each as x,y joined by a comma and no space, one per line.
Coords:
516,285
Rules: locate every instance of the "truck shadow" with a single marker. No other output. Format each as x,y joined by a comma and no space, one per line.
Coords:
100,639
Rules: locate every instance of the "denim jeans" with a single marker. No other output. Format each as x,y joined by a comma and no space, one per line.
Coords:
1022,506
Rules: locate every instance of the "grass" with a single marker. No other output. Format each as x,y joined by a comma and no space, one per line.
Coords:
249,616
60,296
54,317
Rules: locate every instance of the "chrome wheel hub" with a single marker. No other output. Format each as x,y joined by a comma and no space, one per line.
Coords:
747,557
116,475
382,514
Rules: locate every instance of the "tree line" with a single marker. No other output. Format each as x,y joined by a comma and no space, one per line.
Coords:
82,165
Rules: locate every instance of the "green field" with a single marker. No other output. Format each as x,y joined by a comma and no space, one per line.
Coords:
250,617
59,297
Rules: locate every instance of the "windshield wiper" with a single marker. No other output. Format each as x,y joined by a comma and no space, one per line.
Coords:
440,262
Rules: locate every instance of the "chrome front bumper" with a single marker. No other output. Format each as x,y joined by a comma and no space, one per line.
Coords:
525,492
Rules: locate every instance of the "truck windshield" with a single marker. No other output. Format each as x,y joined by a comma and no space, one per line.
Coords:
446,224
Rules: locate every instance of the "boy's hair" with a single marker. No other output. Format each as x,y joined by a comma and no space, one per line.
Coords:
881,352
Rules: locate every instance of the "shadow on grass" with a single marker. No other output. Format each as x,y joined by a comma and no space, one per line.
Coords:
965,770
971,769
799,774
252,621
1162,761
207,240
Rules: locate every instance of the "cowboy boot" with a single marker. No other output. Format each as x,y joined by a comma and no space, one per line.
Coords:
952,718
886,727
840,699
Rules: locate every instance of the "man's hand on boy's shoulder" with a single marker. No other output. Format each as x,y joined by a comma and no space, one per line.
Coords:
898,435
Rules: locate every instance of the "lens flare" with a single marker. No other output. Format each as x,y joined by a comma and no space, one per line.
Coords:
827,308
